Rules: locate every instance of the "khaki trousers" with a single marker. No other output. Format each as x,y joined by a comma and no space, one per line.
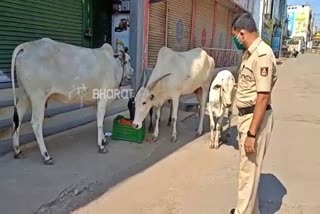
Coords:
251,164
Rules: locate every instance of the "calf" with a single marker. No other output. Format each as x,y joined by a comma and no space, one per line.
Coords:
221,97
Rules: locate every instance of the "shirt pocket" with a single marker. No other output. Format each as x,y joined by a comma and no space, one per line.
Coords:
246,76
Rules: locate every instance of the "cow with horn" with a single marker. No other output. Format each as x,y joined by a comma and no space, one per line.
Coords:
175,74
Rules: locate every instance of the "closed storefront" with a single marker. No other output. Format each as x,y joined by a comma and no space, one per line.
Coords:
232,16
221,26
28,20
204,15
179,24
157,30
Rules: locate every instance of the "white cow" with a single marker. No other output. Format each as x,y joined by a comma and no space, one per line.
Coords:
51,70
221,97
175,74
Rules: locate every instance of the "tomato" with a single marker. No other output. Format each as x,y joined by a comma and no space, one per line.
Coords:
124,121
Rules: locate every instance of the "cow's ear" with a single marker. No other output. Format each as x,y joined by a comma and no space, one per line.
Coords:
217,87
151,97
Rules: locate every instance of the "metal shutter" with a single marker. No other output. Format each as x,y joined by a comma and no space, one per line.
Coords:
27,20
229,34
203,23
221,26
179,24
157,31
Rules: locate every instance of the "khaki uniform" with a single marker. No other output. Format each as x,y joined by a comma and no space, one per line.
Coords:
257,73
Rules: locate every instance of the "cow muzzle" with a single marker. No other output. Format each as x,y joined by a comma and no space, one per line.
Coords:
136,125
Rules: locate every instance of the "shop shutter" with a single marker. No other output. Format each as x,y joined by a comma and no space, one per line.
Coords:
221,26
179,24
157,31
22,21
203,23
229,34
232,16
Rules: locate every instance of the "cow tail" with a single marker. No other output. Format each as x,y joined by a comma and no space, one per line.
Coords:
17,50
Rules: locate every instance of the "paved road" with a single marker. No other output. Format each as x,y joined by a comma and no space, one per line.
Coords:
186,177
198,180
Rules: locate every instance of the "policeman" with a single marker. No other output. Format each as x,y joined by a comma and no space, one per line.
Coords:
256,77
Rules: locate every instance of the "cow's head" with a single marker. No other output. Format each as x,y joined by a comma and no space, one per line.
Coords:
225,87
124,60
144,101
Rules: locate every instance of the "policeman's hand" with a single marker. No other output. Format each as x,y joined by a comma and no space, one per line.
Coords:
249,145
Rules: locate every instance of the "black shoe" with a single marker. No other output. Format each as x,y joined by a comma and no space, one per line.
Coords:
233,211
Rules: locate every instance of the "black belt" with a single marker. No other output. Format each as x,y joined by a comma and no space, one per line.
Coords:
249,110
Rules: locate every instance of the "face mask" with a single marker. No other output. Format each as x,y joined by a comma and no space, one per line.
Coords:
237,43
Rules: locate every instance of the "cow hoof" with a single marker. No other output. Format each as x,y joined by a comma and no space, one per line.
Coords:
198,134
155,138
216,146
174,139
211,147
49,161
17,155
103,150
105,142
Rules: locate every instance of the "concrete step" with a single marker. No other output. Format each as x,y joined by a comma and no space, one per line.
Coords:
54,108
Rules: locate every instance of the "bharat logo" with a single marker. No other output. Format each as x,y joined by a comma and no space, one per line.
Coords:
203,37
179,31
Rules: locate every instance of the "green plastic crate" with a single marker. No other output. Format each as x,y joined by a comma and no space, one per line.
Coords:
126,132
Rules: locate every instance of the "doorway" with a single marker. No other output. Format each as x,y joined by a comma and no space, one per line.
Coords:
101,22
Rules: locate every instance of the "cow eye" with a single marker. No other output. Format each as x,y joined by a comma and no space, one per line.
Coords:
143,103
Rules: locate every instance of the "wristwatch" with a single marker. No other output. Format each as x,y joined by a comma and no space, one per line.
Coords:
250,135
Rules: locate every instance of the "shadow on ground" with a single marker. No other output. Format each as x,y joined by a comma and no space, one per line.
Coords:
271,193
80,174
232,141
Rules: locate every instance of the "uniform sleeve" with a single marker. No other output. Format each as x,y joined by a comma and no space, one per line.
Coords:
263,72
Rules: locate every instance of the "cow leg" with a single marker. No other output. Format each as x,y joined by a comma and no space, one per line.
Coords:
212,126
202,96
101,110
150,129
170,116
38,107
175,106
219,130
155,136
21,109
229,121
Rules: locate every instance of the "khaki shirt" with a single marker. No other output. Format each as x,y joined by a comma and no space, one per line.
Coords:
257,73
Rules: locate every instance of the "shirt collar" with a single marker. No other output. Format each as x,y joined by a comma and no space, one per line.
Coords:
254,45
